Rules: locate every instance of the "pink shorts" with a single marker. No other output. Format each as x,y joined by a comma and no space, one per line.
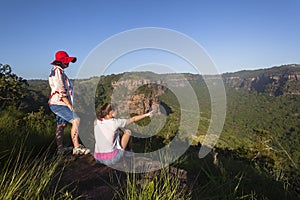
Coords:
109,158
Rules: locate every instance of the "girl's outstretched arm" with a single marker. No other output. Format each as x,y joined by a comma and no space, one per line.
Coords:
139,117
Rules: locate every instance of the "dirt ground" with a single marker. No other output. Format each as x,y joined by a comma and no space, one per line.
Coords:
87,179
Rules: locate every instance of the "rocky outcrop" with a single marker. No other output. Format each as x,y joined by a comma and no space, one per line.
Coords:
142,103
138,93
141,99
275,81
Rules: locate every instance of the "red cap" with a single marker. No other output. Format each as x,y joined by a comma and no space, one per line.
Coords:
63,57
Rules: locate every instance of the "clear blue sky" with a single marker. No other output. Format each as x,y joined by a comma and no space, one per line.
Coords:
237,35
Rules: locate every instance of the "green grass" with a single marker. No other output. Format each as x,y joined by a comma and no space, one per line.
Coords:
24,176
163,185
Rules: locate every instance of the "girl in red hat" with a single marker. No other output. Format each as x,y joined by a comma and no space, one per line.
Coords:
61,102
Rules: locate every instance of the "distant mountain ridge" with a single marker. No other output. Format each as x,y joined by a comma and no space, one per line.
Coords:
276,81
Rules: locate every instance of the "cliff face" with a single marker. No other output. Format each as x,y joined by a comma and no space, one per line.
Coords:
284,80
142,100
143,93
142,103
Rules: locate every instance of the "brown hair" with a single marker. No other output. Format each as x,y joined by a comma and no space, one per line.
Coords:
105,109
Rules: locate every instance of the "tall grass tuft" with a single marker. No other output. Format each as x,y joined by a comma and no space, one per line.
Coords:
162,186
26,177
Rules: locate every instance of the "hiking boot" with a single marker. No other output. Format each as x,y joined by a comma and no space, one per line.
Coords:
80,150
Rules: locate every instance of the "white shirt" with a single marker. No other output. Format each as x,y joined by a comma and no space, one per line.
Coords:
106,134
61,86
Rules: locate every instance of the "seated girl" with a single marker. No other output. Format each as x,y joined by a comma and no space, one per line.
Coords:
108,147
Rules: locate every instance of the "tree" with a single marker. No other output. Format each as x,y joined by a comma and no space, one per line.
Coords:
12,87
